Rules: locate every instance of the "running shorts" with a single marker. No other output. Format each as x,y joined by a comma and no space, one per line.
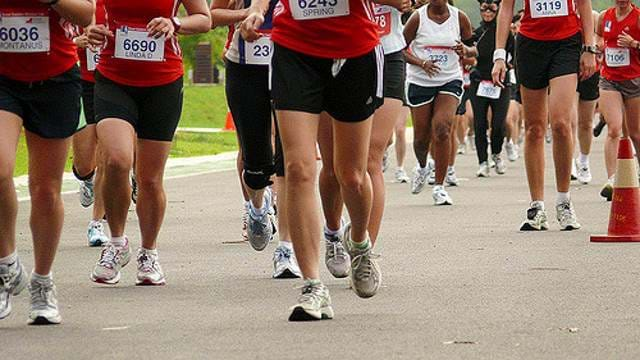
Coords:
629,89
350,90
154,112
589,89
515,93
462,108
540,61
50,108
421,95
395,69
87,102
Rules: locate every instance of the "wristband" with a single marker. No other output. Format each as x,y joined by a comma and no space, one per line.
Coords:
500,54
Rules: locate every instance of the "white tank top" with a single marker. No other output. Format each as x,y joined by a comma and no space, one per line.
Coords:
434,42
251,53
390,27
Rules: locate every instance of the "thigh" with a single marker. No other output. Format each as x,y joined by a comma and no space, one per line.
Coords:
562,97
351,144
298,132
117,139
160,108
534,105
10,126
115,101
565,58
632,109
325,140
421,116
47,159
444,108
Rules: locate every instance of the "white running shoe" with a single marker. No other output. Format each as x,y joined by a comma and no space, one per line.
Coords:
536,220
500,166
483,170
512,151
470,140
441,196
566,216
452,178
149,269
462,149
44,305
336,257
419,180
366,276
112,260
431,180
96,235
313,304
261,227
285,265
401,176
583,172
86,192
13,280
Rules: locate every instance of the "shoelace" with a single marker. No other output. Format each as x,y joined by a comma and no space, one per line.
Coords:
565,212
5,279
312,294
146,263
41,295
335,249
362,265
283,254
108,257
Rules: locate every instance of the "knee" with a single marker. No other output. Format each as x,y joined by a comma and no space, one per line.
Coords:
585,125
536,132
45,194
614,132
299,171
258,178
117,162
352,179
150,185
442,131
561,129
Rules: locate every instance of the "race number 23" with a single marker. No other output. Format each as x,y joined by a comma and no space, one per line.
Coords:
259,52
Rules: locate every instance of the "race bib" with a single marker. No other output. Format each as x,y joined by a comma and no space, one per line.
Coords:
24,34
466,79
93,58
137,45
486,89
382,16
259,52
548,8
318,9
441,56
617,57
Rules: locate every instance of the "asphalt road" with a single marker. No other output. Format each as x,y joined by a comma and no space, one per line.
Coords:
460,282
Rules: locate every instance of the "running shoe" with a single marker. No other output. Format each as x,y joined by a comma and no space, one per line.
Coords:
607,190
261,227
385,160
44,305
96,234
336,257
112,260
401,176
451,179
512,151
365,273
500,166
583,172
574,171
483,170
13,280
597,130
462,149
285,265
313,304
431,180
134,188
419,180
441,196
536,220
566,216
149,269
86,192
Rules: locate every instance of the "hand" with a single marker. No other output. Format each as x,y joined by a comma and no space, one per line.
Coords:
625,40
460,49
587,65
97,35
499,73
250,26
430,67
401,5
82,41
160,27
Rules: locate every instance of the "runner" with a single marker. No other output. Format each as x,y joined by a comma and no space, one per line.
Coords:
85,141
249,99
40,91
548,61
619,27
434,86
485,96
138,102
515,114
325,58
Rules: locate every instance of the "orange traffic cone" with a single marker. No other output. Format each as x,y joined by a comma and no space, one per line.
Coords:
229,125
624,221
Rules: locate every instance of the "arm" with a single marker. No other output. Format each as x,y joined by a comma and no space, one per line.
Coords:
409,32
79,12
587,60
198,20
254,20
466,34
502,34
223,15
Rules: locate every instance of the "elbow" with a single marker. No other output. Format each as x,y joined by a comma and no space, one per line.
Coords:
85,16
204,25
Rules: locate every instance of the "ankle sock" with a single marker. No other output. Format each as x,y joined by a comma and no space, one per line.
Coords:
537,204
312,282
118,241
286,244
583,159
41,278
9,259
563,197
365,245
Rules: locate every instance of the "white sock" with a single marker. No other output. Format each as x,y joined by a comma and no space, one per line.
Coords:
537,204
41,278
286,244
438,188
451,167
562,198
583,159
330,232
118,241
10,259
149,251
258,212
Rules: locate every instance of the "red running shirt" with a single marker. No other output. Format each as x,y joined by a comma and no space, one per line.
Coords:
549,20
89,59
131,57
334,29
35,42
620,63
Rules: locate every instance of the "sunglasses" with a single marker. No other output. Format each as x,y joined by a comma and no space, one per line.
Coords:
493,9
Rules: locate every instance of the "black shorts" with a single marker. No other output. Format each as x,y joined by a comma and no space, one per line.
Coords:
589,89
154,112
87,102
462,108
50,108
421,95
395,68
540,61
515,93
349,90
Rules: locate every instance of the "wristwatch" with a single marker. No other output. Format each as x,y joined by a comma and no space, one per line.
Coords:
591,49
177,24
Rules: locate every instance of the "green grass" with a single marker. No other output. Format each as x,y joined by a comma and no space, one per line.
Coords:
204,106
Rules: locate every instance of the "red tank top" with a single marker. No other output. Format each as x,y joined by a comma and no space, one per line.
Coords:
89,59
35,42
620,63
334,29
549,20
131,57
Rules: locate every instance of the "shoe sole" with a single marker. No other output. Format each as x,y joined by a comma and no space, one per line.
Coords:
287,274
98,243
147,282
571,228
300,314
529,227
41,320
446,203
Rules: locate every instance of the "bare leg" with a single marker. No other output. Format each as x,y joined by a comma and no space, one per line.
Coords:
422,132
332,203
401,137
10,126
443,112
632,107
535,106
611,106
560,119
